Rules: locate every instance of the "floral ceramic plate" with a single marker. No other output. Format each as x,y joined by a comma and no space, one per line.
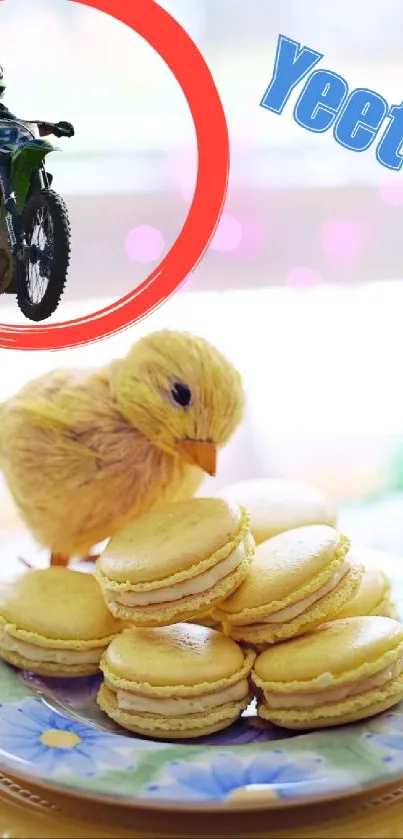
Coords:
53,733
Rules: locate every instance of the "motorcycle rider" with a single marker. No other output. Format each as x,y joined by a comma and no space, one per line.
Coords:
59,129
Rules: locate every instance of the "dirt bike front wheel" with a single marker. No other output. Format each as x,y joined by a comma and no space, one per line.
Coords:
41,276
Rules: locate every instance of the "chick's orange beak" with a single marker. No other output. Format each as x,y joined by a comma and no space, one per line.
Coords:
200,453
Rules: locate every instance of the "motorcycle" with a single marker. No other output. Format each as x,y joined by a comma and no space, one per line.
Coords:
35,231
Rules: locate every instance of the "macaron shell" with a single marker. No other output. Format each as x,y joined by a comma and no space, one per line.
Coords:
187,608
277,505
184,727
183,655
343,650
57,607
371,597
46,668
323,610
284,570
170,542
387,609
349,710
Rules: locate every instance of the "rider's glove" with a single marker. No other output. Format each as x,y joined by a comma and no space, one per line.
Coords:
64,129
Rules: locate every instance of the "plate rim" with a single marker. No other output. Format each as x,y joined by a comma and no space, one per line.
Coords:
223,806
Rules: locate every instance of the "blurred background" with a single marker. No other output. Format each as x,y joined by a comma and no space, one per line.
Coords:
302,283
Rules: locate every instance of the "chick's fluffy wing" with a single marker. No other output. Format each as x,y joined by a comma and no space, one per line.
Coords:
50,427
75,467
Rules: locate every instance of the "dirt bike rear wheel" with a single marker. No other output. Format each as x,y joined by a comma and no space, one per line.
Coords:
41,278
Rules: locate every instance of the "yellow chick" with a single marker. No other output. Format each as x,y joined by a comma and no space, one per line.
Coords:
84,452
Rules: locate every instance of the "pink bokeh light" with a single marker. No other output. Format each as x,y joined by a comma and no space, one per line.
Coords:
254,238
144,244
391,193
302,278
228,235
339,237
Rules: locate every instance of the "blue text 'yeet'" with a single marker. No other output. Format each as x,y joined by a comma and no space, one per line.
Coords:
325,102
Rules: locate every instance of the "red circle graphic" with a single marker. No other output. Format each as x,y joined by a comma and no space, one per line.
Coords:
183,58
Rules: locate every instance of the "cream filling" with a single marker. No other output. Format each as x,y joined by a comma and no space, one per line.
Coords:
47,654
196,585
310,700
176,706
291,612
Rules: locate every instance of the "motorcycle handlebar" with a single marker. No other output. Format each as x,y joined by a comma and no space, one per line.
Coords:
59,129
63,129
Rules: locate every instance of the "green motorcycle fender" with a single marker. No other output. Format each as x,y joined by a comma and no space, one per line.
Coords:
26,160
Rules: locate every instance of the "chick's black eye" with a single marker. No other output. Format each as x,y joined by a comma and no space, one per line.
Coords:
181,394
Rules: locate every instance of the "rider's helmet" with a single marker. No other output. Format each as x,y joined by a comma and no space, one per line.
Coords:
2,83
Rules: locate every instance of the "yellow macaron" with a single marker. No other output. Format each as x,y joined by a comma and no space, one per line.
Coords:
276,505
175,682
54,621
372,596
176,562
344,671
297,580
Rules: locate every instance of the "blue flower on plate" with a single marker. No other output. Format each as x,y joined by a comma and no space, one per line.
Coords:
47,741
275,772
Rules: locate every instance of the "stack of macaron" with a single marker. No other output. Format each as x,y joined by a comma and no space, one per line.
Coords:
54,622
198,607
178,681
298,580
166,678
345,671
177,562
304,571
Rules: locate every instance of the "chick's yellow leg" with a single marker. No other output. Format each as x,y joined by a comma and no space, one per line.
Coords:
62,560
59,559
